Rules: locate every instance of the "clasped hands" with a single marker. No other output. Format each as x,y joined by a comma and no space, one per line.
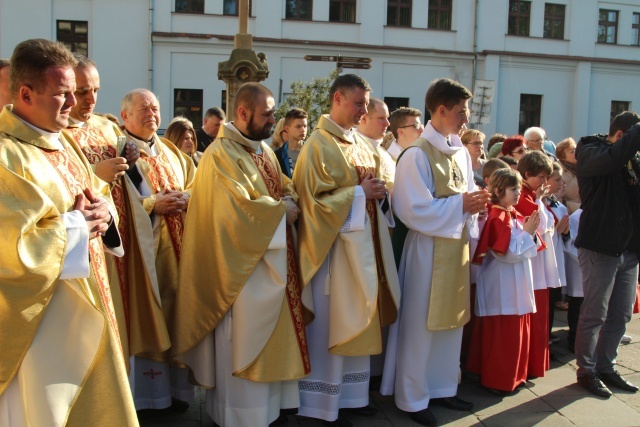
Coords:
111,169
95,211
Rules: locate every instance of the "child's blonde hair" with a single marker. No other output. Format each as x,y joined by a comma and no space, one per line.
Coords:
500,180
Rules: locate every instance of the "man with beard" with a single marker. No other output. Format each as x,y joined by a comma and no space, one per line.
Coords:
162,178
61,361
141,326
240,291
346,258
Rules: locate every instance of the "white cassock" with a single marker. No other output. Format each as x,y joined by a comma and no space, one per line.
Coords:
572,266
420,364
558,244
153,384
335,381
505,283
545,266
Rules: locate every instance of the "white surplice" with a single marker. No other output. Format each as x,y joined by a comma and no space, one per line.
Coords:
572,266
420,364
505,283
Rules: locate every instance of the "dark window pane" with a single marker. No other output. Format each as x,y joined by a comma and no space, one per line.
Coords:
75,35
188,103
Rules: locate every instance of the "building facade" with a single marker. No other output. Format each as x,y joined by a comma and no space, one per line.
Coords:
565,65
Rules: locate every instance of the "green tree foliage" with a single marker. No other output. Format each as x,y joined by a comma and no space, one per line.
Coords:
312,97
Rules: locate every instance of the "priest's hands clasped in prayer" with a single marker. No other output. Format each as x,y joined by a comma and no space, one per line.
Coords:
95,211
169,202
374,188
475,202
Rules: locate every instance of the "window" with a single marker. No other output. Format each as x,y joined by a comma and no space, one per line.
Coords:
399,13
519,13
74,34
188,103
608,26
230,7
440,14
635,29
530,107
394,103
554,21
190,6
342,11
299,9
223,100
618,107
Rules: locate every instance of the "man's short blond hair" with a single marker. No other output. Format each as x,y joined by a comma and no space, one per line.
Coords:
397,119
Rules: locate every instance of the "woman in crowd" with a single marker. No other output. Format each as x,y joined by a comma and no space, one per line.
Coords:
514,146
566,152
473,141
182,134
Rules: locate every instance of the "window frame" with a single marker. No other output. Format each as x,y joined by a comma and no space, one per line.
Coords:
532,112
550,18
189,8
607,24
189,103
74,39
399,5
618,107
635,28
343,10
237,8
298,18
438,12
516,18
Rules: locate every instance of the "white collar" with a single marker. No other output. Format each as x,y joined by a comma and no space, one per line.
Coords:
439,141
53,138
375,143
347,132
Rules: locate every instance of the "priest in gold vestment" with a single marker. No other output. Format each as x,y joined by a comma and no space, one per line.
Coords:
132,277
242,328
61,362
346,258
162,178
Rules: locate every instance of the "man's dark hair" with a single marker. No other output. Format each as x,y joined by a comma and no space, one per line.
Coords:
535,163
399,116
32,58
347,82
445,92
294,113
249,92
215,112
623,122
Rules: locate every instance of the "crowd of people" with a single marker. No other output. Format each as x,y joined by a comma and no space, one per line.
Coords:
281,277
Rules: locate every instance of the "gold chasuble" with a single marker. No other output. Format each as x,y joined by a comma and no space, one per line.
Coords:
134,285
231,266
169,169
61,361
449,304
363,282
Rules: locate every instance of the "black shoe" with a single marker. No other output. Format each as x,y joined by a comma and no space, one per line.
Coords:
614,379
497,392
572,347
424,417
365,411
280,421
454,403
340,422
593,384
178,405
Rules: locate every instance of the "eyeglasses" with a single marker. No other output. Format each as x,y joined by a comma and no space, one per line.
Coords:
475,144
520,151
413,125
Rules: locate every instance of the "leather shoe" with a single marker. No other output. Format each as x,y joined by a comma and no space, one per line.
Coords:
454,403
365,411
593,384
424,417
340,422
614,379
